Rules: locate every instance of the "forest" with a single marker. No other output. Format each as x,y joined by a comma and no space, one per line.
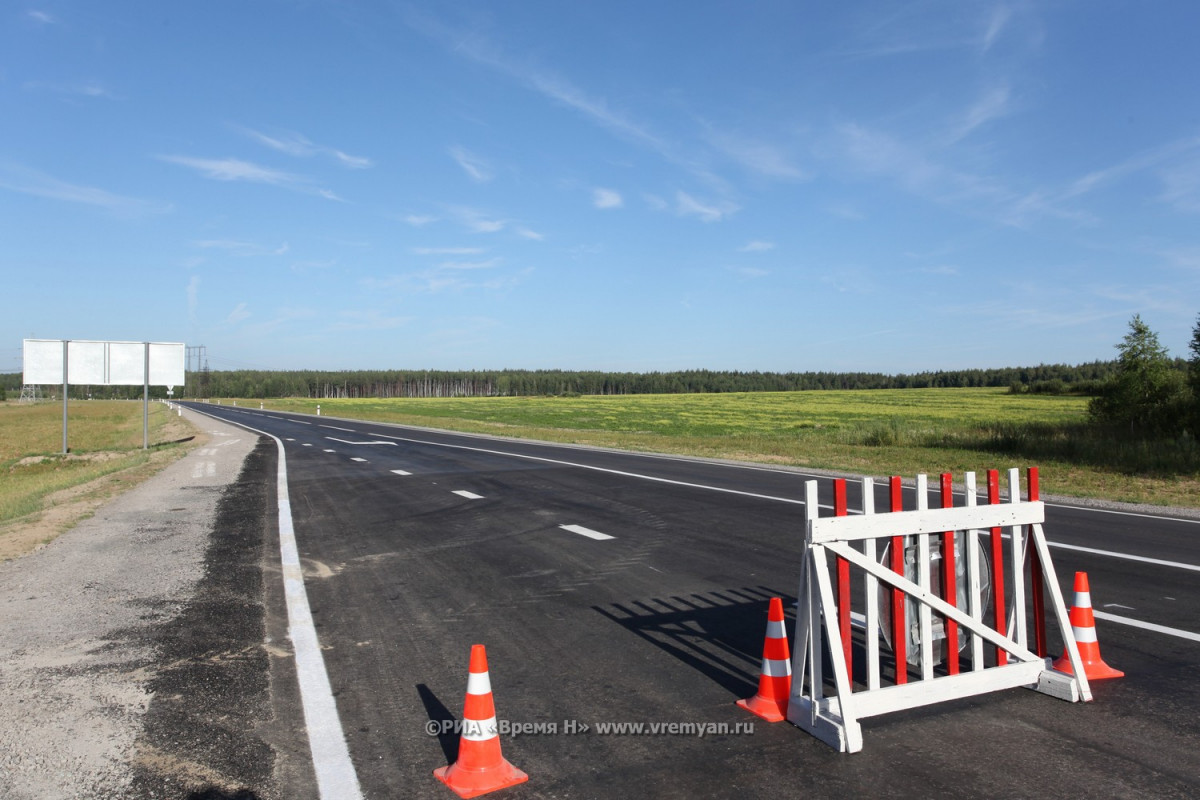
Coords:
1052,378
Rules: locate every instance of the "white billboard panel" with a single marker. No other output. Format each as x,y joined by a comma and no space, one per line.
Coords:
104,363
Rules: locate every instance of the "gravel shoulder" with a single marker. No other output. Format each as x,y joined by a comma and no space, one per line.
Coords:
105,631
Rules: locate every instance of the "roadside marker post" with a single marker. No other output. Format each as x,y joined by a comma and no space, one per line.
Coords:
830,708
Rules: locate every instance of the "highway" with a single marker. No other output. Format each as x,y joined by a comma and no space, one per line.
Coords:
615,587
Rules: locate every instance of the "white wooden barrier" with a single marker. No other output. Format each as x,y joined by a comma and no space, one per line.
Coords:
822,628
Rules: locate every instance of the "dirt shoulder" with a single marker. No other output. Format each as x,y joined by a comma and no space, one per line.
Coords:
77,614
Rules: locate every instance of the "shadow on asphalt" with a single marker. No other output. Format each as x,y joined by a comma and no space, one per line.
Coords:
719,633
447,737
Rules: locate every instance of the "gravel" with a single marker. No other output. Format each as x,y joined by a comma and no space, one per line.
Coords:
77,622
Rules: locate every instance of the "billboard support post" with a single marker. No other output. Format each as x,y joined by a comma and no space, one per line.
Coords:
146,400
64,388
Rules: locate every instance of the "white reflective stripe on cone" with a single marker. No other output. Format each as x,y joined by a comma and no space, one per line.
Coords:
775,629
1084,635
479,730
478,683
776,668
1083,599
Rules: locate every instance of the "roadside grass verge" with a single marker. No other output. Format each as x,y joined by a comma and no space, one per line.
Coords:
874,432
104,437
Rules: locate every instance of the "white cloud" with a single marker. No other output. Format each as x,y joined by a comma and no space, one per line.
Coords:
193,296
240,248
606,198
476,221
22,179
234,169
419,220
457,265
237,315
87,89
298,145
993,105
757,156
40,16
448,251
476,168
757,246
525,233
688,206
752,272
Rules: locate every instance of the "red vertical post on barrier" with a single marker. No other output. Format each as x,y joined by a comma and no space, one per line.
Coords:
1000,616
949,578
1036,577
899,624
843,581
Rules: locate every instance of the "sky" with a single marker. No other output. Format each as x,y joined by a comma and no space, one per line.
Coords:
625,186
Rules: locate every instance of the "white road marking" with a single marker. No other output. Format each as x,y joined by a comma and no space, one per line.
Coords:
346,441
588,532
1160,562
400,472
308,444
468,495
331,451
1118,605
358,459
1149,626
336,778
336,428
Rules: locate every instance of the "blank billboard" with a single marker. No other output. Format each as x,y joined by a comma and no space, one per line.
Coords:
104,363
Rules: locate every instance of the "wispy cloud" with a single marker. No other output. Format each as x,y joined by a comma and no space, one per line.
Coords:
193,297
300,146
241,248
239,314
40,17
607,198
993,105
752,272
448,251
477,221
18,178
756,246
368,320
476,168
688,206
86,89
758,156
234,169
419,220
526,233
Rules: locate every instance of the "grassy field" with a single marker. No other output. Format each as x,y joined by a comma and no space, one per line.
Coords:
875,432
106,456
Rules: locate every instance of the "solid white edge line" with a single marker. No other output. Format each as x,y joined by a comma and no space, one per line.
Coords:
336,778
588,532
1144,559
1150,626
399,472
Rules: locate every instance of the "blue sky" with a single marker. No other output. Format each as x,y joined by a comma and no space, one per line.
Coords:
874,186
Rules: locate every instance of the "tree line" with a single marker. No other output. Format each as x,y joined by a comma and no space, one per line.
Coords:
1057,378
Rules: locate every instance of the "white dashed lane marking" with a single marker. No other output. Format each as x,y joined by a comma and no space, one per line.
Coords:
588,532
468,495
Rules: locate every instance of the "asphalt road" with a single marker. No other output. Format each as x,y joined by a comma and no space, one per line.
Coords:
417,544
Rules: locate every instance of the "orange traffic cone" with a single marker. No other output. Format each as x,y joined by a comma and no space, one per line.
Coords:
480,767
775,682
1083,626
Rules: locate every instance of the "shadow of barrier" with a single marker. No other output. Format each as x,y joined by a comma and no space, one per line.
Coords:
718,633
946,589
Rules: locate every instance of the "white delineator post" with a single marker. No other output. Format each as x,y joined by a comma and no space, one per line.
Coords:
821,621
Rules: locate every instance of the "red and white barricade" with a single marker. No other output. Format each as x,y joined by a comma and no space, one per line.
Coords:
942,587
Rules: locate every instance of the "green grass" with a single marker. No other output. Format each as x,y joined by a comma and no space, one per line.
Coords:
874,432
104,437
